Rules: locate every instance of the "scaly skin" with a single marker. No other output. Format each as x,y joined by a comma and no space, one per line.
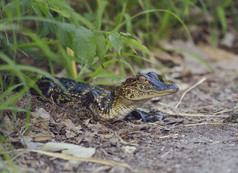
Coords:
105,105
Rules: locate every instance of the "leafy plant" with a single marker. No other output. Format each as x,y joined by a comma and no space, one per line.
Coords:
60,29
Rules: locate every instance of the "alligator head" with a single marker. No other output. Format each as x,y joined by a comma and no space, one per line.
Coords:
128,96
145,87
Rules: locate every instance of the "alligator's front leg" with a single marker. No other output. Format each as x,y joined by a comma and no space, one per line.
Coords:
94,103
105,108
140,114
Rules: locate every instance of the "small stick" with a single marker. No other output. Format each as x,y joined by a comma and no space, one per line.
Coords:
208,106
199,124
164,109
168,136
195,85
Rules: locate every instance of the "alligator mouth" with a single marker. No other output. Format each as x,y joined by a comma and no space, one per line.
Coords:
149,94
172,88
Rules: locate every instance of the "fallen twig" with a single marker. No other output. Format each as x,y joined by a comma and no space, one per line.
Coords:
167,110
70,157
199,124
168,136
195,85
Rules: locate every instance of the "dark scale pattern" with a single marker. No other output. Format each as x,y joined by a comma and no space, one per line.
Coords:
105,105
52,90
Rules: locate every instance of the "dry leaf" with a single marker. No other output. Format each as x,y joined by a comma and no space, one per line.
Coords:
221,59
42,113
194,65
41,138
228,40
68,157
27,141
129,149
70,128
69,149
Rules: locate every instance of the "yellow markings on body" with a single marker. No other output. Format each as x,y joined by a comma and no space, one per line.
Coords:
85,91
59,99
70,87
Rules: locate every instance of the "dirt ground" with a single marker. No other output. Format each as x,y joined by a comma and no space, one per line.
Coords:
201,135
197,131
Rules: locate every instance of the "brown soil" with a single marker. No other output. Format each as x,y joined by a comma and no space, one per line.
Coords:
200,136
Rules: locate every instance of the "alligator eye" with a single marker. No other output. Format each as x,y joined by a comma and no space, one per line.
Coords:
161,78
142,78
128,80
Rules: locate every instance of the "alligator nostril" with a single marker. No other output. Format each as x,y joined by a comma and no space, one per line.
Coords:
173,87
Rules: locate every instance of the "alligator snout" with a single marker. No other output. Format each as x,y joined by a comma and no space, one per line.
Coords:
173,87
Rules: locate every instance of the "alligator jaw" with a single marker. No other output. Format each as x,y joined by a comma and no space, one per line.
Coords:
162,90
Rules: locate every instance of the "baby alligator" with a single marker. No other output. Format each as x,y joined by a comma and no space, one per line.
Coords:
105,105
